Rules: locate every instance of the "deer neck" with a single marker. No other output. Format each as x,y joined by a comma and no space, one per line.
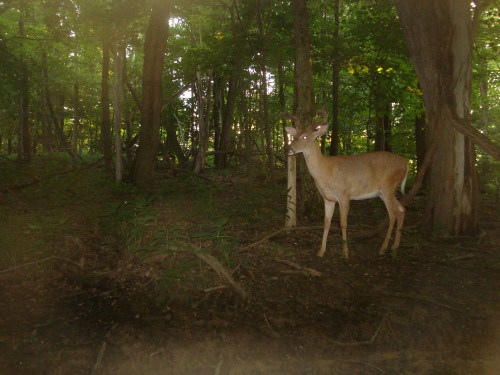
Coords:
314,160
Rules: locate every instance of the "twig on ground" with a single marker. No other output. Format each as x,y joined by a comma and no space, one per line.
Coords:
279,231
365,342
273,332
98,363
40,261
223,273
215,288
304,270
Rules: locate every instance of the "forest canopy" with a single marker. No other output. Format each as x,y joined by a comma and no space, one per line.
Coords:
201,84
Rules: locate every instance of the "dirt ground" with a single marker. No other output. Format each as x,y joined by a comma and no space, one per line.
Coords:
100,279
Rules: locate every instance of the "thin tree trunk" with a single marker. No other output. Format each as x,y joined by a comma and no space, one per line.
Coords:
106,146
281,100
76,120
334,145
24,135
59,130
383,127
118,86
264,97
25,151
202,127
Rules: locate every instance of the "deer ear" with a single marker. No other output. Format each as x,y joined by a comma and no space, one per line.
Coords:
320,130
291,131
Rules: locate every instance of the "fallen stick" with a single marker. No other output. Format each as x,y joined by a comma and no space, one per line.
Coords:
223,273
39,261
304,270
279,231
98,362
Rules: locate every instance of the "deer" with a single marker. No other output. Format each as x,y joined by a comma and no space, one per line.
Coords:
340,179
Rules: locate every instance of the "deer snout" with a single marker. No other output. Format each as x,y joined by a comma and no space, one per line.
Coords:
290,150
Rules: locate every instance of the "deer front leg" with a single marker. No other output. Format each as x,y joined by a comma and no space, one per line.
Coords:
344,211
329,209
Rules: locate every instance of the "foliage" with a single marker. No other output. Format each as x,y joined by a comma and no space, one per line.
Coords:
205,37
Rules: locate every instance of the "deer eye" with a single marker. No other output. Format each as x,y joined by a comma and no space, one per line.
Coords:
304,137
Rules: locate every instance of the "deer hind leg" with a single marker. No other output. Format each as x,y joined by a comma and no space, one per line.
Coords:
329,209
400,215
390,205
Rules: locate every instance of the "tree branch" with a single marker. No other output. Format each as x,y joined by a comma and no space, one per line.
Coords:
476,136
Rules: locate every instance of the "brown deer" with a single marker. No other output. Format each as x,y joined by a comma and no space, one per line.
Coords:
354,177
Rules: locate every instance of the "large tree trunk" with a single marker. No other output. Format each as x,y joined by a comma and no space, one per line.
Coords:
439,36
154,54
303,96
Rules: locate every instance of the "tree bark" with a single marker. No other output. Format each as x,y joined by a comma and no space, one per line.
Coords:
118,57
383,127
76,120
334,145
264,97
24,135
106,146
154,55
420,139
203,130
24,141
439,38
303,97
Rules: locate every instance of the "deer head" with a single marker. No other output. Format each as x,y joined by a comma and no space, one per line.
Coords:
302,140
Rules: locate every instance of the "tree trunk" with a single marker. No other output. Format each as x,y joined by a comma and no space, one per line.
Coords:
76,120
24,135
172,144
303,96
438,34
334,145
118,86
383,127
59,121
281,100
106,118
420,139
217,116
232,92
203,130
154,54
264,97
24,141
